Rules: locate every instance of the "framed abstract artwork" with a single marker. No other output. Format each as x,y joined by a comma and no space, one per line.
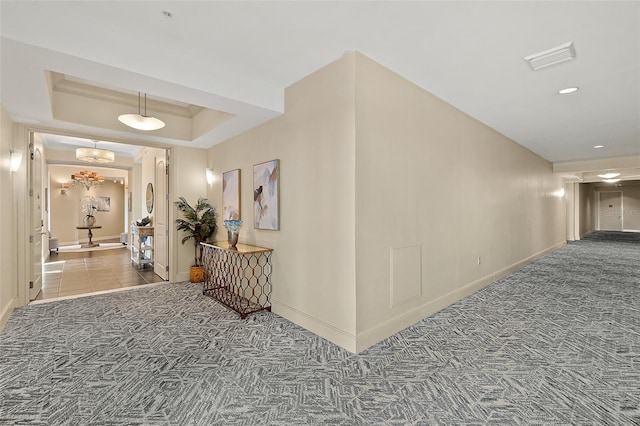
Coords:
102,204
231,195
266,195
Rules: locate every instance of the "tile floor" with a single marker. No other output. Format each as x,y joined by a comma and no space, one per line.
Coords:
67,274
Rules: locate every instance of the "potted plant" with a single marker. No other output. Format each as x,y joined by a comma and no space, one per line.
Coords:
199,224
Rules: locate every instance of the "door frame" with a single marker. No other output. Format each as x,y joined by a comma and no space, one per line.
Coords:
23,226
162,197
37,204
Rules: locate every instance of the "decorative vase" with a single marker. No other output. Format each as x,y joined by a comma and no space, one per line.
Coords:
196,275
233,229
89,220
232,236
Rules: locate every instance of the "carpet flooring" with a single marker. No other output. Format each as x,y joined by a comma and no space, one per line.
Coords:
557,342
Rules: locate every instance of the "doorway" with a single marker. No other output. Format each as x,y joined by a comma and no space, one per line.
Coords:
610,211
36,231
127,203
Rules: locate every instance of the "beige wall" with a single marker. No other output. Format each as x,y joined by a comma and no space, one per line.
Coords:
149,156
388,198
8,236
588,208
188,179
631,205
135,187
66,209
14,257
314,250
444,204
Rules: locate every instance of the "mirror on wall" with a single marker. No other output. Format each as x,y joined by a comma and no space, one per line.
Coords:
149,198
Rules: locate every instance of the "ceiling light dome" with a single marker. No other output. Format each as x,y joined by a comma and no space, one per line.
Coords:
141,121
95,155
609,175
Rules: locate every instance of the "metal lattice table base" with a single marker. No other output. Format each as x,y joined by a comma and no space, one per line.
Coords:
238,278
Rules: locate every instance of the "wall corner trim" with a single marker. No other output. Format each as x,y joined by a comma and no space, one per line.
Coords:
326,331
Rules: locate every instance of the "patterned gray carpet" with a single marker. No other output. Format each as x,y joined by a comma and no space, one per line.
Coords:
557,342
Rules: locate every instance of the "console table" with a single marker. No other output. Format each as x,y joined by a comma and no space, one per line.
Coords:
90,243
141,245
238,278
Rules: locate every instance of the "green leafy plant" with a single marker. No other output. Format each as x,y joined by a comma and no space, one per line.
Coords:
199,224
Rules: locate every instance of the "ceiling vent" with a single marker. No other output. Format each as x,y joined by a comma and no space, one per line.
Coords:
556,55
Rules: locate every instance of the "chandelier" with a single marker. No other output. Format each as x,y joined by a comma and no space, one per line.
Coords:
87,179
141,121
95,155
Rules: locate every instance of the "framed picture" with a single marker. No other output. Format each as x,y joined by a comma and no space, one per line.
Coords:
266,195
231,195
102,204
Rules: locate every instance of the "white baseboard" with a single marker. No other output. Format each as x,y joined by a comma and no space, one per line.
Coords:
6,311
319,327
370,337
631,230
388,328
85,240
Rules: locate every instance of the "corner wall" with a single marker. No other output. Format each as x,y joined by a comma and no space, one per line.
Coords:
388,198
631,206
8,219
187,168
314,250
588,208
444,204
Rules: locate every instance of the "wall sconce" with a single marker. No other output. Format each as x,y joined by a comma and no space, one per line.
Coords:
15,159
209,176
64,187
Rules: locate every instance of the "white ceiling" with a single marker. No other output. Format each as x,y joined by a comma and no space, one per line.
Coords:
239,57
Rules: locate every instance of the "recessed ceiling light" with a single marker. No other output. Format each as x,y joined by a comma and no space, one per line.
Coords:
611,180
598,146
568,90
609,175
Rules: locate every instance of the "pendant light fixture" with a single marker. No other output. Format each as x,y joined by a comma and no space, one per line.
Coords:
139,121
95,155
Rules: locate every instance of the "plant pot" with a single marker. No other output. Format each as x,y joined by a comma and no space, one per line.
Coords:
89,220
196,275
